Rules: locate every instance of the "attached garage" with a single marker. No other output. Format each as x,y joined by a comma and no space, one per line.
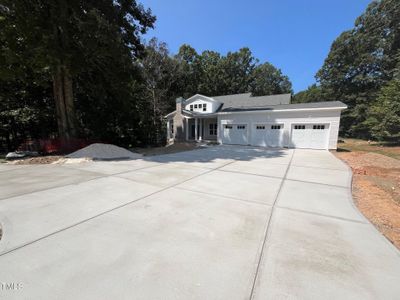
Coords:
267,135
312,136
235,134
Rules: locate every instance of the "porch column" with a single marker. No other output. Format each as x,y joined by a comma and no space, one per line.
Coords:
195,130
168,130
187,129
201,130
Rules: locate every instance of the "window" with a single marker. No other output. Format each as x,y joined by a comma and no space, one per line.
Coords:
191,107
299,126
195,106
213,128
319,127
200,105
204,107
172,127
228,126
276,127
241,127
260,127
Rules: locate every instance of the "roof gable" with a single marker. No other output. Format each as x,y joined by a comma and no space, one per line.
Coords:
199,97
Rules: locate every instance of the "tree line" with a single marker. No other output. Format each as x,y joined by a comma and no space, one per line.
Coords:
363,70
82,69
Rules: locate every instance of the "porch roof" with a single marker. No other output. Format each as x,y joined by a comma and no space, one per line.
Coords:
192,114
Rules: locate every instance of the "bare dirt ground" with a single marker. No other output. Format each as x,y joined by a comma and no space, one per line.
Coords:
376,184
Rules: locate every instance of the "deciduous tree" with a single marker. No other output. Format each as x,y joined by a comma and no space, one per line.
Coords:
68,38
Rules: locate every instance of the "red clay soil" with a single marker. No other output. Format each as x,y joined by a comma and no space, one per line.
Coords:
376,190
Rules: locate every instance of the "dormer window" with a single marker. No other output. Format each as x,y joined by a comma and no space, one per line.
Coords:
199,106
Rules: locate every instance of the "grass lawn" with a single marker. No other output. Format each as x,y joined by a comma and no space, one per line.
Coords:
376,182
352,145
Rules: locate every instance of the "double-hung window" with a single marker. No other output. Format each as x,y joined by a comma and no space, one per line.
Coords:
213,128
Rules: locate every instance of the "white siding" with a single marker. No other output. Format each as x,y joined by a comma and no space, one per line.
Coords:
287,118
211,106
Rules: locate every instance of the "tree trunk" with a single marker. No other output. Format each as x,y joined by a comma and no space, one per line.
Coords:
63,96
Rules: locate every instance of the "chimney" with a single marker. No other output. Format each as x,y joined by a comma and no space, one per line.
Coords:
179,134
179,102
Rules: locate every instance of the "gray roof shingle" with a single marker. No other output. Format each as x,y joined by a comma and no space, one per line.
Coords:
246,100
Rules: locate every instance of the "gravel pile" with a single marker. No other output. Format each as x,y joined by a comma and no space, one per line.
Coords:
100,151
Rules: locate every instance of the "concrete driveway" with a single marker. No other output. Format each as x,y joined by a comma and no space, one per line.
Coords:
224,222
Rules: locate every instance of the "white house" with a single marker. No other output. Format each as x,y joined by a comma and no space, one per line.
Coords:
267,121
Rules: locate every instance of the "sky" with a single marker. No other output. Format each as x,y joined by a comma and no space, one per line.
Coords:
293,35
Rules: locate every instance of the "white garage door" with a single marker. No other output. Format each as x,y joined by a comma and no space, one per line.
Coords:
313,136
235,134
267,135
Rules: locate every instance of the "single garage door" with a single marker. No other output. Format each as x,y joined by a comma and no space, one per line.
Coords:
267,135
312,136
235,134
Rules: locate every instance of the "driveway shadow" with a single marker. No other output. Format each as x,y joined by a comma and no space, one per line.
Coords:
220,152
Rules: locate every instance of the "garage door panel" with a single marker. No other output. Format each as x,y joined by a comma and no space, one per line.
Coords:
235,134
267,135
312,136
275,136
259,137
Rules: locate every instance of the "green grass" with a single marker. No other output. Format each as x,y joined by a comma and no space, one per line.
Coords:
351,145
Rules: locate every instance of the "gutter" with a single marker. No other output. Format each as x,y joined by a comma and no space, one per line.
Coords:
282,110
